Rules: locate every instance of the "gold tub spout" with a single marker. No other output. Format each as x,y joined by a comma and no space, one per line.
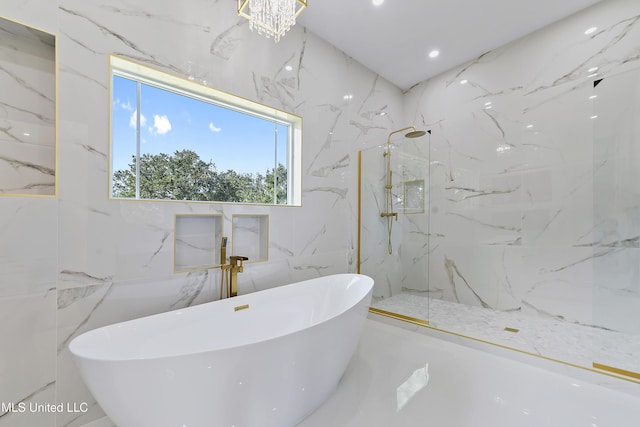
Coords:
235,264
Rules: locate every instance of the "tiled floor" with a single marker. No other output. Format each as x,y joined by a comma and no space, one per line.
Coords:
402,378
556,339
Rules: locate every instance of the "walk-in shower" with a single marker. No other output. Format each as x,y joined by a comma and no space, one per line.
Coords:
528,248
393,231
388,213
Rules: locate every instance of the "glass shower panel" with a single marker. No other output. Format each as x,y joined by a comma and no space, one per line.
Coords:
616,247
375,261
412,196
394,249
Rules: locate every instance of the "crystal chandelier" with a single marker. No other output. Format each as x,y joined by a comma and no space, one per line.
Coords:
271,18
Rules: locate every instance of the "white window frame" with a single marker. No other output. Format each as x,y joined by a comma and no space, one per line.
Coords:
141,73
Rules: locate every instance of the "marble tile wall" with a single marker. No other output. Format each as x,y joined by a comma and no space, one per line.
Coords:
534,202
28,99
79,261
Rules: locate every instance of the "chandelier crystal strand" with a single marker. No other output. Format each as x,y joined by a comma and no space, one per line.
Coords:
272,18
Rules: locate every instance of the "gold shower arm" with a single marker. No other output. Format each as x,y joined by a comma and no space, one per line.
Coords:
394,132
398,131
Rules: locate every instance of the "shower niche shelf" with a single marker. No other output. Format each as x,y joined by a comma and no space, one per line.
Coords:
28,96
414,196
250,236
197,240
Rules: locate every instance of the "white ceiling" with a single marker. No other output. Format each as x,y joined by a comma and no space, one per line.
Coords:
395,38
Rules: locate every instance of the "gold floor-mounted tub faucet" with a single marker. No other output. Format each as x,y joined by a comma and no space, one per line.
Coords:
235,265
229,271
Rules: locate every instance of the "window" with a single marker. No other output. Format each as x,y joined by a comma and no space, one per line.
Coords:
175,139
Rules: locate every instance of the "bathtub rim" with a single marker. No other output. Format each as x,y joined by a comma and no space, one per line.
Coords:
367,280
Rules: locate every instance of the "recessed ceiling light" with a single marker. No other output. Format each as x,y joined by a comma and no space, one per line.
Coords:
288,67
434,53
348,96
594,96
592,69
464,82
26,134
591,30
595,116
529,126
377,2
486,104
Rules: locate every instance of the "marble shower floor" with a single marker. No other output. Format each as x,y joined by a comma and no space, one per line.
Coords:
402,378
564,341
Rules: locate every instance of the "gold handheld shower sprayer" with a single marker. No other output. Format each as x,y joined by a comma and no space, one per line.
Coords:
390,214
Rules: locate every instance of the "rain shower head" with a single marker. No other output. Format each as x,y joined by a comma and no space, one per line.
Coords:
415,134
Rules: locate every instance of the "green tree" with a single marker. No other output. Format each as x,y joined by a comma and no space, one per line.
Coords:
184,176
189,178
280,185
124,181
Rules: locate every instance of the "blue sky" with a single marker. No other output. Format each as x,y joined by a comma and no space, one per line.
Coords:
171,122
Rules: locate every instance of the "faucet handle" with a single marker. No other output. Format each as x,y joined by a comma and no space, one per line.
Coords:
237,260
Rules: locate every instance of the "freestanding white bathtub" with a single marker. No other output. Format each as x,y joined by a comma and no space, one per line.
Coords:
266,359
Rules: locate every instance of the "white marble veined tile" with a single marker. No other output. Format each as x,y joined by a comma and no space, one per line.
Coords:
397,378
312,266
251,237
27,365
28,248
562,340
29,168
197,241
101,422
265,275
27,126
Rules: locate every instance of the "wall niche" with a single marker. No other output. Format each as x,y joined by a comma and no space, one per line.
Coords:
250,236
28,114
197,242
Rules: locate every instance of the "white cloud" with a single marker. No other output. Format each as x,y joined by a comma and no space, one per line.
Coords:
132,119
161,125
213,128
119,104
127,106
